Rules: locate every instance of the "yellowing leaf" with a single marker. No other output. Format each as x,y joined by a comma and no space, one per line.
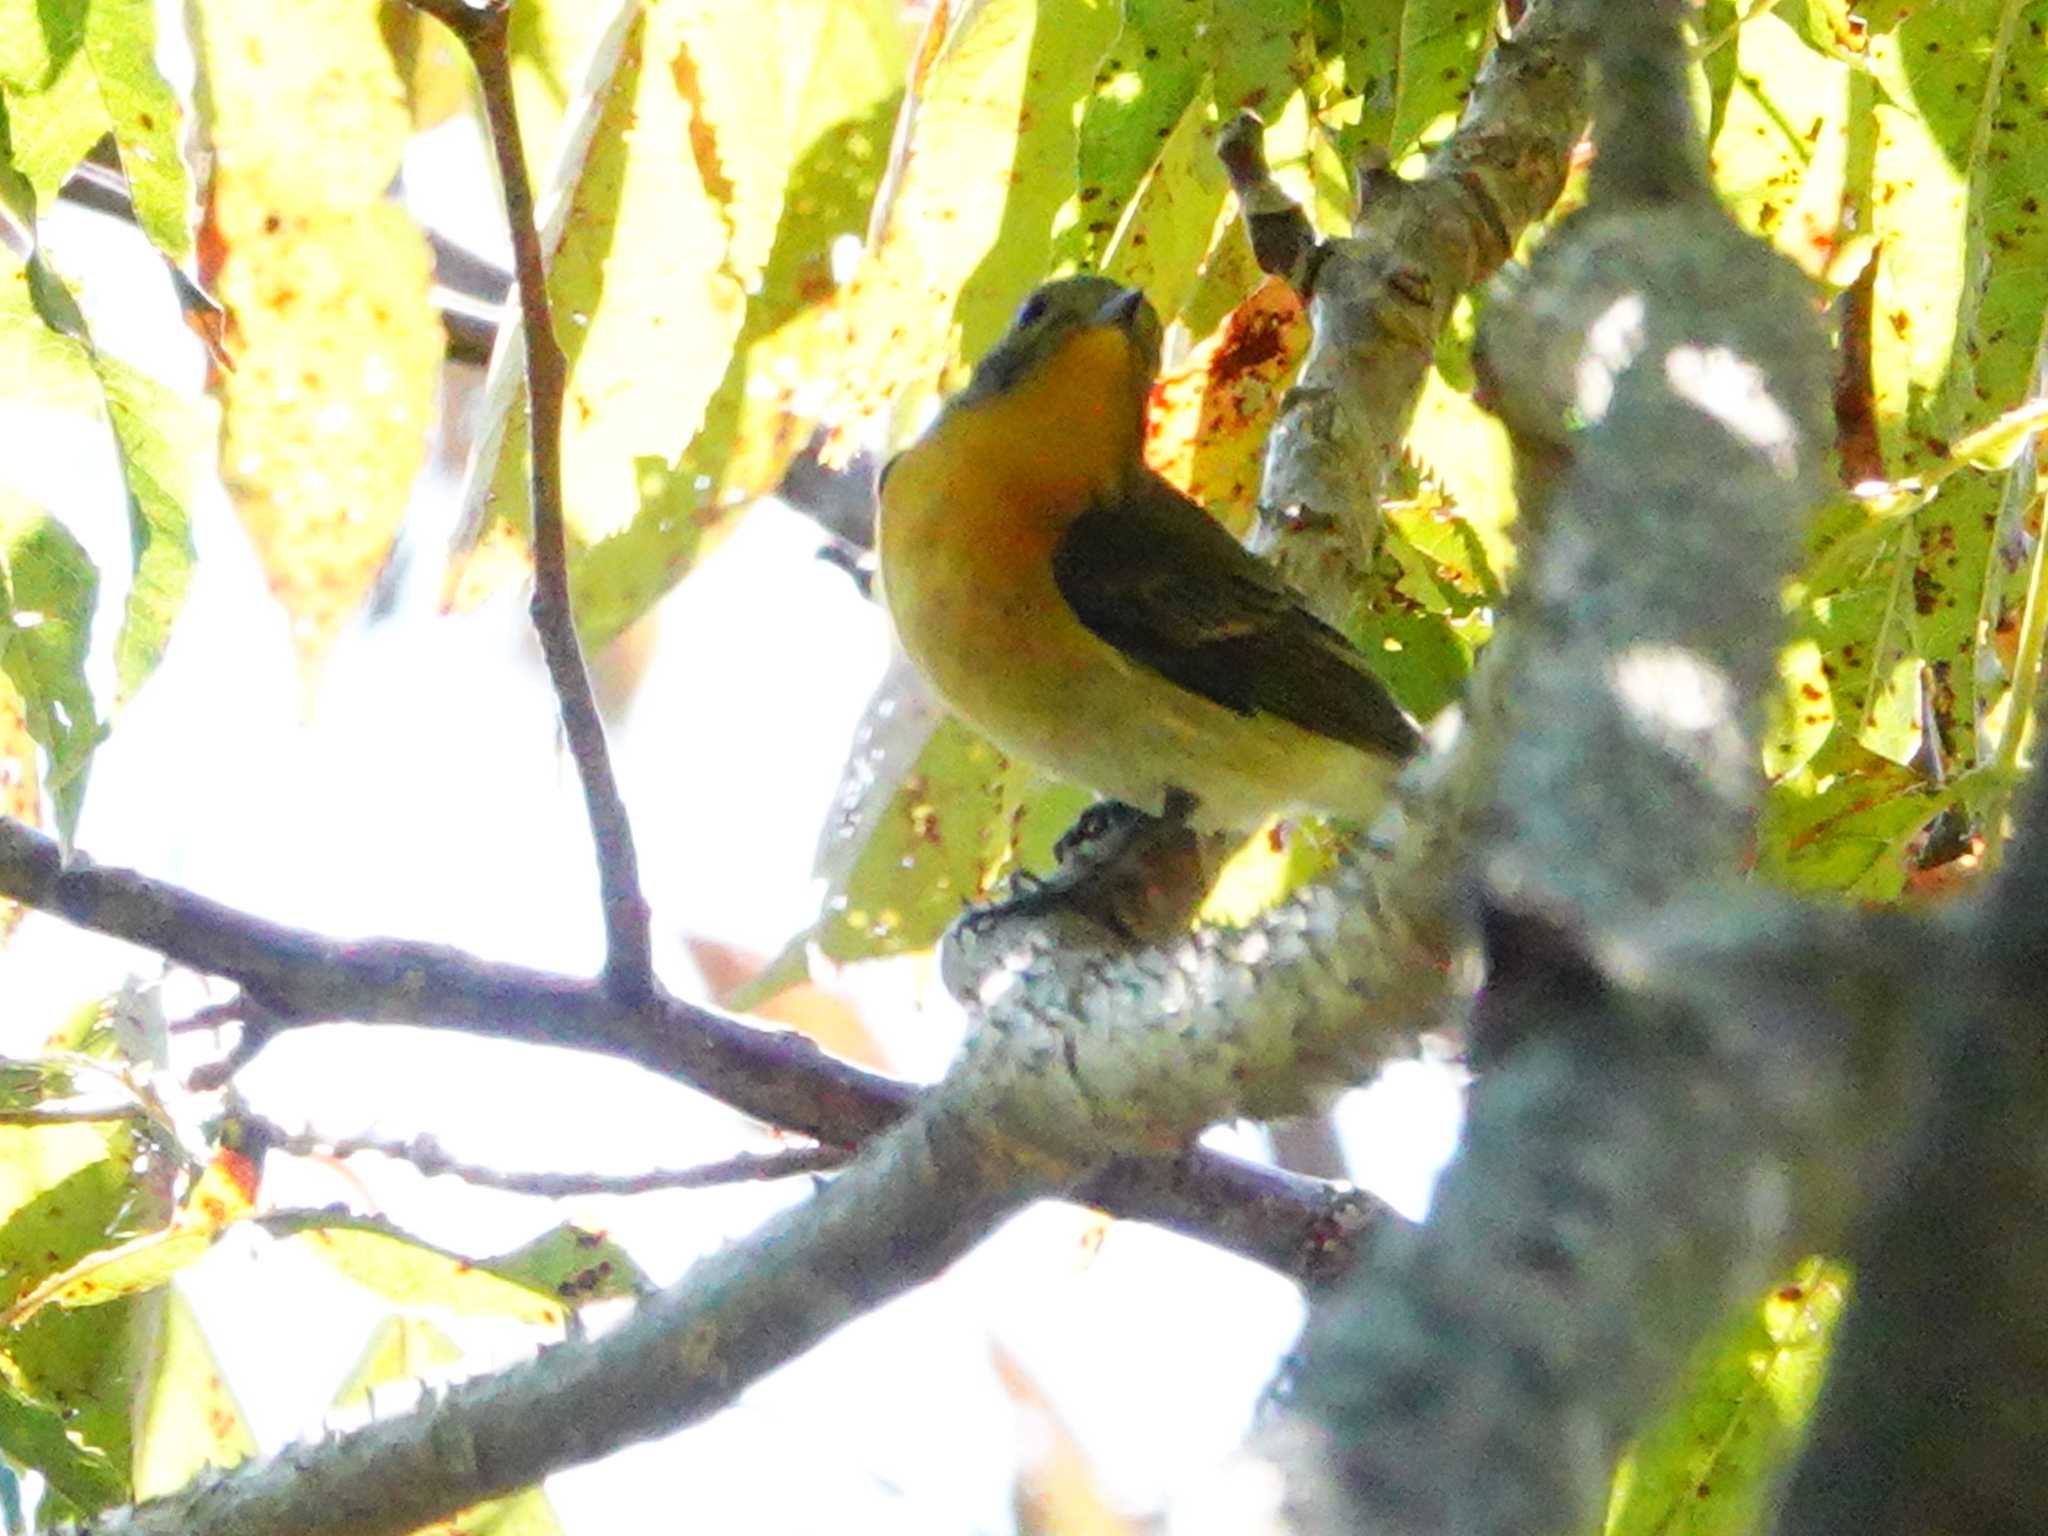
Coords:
742,982
1782,156
1997,444
402,1269
1059,1493
334,343
401,1349
984,159
407,1350
688,289
187,1417
1209,417
929,818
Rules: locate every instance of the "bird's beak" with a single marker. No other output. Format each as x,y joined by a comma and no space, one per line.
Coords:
1130,313
1122,311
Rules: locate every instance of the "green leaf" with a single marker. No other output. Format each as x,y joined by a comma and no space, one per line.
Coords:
1260,54
16,195
41,365
161,436
1843,824
47,295
1419,655
1442,42
47,592
46,84
1913,141
576,1264
1706,1467
158,437
66,1377
53,129
120,43
37,39
1172,220
132,1268
1143,87
1368,45
1444,563
1717,24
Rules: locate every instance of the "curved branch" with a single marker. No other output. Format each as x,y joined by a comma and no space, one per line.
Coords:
1305,1228
918,1197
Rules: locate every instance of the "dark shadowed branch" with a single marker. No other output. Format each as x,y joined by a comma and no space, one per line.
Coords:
1935,1413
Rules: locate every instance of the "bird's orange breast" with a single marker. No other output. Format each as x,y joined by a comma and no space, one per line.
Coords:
972,513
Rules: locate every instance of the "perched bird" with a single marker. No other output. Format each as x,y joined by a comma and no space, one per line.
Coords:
1087,617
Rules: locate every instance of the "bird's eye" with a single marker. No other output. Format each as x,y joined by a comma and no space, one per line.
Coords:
1031,311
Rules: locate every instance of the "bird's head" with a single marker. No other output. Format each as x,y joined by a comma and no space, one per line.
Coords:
1087,322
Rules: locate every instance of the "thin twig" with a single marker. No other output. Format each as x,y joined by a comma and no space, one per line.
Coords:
431,1158
628,965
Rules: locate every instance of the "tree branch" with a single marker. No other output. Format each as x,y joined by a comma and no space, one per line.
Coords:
1379,298
483,30
1639,1159
918,1197
1934,1414
1305,1228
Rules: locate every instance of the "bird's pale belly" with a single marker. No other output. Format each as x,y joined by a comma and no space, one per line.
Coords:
1043,688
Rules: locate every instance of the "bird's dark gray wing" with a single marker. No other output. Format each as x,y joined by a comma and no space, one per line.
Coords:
1156,577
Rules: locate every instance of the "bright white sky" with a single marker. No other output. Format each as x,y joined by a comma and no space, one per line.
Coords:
427,798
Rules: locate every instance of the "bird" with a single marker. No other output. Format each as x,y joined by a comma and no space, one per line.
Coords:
1084,615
